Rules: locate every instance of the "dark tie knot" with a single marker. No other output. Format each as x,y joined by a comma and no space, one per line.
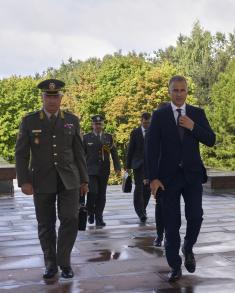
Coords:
179,111
53,120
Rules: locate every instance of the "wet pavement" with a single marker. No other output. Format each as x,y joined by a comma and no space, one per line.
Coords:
119,257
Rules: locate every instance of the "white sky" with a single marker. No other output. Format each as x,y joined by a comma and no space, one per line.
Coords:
37,34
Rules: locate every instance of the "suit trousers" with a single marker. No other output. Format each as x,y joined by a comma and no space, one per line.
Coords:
57,250
170,201
96,197
159,218
141,193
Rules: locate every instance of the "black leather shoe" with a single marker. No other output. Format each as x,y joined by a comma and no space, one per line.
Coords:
50,273
143,219
175,275
91,219
67,272
100,223
189,261
157,242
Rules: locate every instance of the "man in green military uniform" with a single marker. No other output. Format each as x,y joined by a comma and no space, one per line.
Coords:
98,147
50,164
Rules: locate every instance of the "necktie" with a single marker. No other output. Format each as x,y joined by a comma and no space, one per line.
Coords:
53,120
180,128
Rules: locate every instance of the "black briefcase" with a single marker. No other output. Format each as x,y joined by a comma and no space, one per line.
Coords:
82,217
126,183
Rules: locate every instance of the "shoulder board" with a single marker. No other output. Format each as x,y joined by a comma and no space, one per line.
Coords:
65,112
31,114
108,134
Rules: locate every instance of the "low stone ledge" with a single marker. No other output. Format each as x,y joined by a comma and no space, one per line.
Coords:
220,180
7,174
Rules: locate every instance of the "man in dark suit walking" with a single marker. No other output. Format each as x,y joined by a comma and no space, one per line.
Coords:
98,147
135,161
175,168
50,164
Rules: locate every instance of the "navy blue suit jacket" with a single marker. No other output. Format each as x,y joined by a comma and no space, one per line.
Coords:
165,151
135,151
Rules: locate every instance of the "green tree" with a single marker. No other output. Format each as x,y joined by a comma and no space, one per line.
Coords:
202,57
18,96
221,113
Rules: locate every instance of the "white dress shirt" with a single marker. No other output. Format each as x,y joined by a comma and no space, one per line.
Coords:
143,131
174,109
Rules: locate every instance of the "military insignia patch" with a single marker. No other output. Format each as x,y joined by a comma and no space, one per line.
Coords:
68,125
51,86
36,131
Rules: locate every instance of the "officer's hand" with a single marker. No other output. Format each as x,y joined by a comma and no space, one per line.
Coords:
154,185
84,189
118,172
27,188
186,122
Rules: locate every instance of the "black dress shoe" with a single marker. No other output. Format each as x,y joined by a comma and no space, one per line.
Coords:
67,272
189,261
100,223
143,219
175,275
91,219
50,272
157,242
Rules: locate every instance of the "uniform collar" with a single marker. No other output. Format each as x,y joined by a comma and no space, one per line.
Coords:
49,114
98,134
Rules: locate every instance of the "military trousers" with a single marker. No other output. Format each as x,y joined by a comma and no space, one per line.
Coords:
96,197
57,249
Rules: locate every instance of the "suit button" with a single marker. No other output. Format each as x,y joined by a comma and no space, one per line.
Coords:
54,136
54,145
55,154
55,163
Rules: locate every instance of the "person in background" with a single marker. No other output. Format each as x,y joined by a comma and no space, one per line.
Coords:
98,147
159,219
135,160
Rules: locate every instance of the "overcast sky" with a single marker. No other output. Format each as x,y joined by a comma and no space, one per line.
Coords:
37,34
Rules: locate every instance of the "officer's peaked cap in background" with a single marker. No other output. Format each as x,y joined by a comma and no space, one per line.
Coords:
97,118
51,86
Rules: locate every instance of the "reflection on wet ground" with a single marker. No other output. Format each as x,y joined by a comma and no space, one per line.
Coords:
119,257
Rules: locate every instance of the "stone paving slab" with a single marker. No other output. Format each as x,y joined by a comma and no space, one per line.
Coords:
119,257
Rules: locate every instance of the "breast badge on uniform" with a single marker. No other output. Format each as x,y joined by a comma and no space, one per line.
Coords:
68,125
105,149
36,133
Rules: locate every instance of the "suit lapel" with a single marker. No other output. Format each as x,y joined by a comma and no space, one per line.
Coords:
140,133
172,122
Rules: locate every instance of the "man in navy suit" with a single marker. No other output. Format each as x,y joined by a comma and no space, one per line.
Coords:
175,168
135,161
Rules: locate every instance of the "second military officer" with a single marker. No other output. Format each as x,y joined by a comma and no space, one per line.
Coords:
98,147
50,164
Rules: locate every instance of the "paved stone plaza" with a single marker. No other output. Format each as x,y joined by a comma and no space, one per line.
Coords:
119,257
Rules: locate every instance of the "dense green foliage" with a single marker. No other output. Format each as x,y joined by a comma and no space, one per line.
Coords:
122,87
